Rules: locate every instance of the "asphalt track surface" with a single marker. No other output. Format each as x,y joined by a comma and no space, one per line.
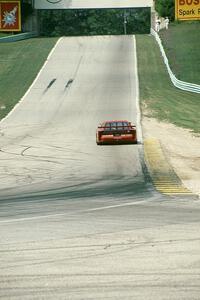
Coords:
81,221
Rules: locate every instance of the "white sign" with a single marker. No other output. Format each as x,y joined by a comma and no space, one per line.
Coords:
84,4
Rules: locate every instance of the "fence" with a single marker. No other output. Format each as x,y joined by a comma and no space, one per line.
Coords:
186,86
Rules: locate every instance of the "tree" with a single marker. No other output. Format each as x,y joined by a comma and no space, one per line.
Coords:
26,9
165,8
93,21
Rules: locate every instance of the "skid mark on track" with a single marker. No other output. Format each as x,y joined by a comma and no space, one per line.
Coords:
70,81
163,175
73,214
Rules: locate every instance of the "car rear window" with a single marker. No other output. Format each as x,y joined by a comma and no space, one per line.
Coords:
115,125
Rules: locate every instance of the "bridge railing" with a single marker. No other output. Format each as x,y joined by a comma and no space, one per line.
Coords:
186,86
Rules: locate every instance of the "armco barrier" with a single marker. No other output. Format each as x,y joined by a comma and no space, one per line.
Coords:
18,37
186,86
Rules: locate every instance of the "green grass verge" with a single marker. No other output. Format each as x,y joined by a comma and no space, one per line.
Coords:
159,98
19,64
181,43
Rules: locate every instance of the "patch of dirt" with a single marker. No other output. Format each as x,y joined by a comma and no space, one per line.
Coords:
182,149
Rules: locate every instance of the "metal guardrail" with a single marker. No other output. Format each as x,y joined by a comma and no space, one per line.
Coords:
186,86
17,37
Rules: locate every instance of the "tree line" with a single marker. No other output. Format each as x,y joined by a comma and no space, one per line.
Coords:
94,22
166,8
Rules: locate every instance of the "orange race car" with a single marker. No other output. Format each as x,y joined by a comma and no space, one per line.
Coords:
116,132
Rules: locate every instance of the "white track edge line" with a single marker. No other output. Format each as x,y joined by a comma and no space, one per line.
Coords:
139,128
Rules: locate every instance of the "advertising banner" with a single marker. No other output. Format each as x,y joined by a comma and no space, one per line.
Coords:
10,16
87,4
187,10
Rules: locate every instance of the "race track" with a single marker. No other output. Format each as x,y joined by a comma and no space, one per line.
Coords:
81,221
49,139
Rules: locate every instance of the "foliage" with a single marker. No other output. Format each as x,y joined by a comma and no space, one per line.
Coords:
166,8
94,22
26,10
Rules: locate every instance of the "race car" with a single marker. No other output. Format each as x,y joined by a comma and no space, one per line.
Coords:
116,132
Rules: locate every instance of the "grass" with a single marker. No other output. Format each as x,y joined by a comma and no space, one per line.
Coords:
19,64
3,34
159,98
181,43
